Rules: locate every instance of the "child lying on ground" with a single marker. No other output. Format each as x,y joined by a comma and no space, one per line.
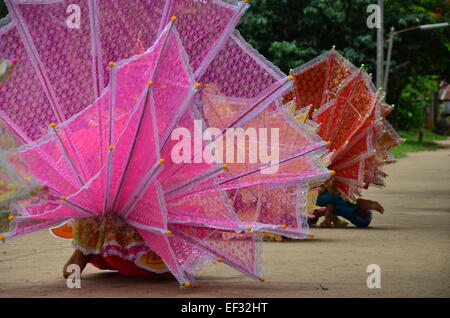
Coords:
108,243
359,213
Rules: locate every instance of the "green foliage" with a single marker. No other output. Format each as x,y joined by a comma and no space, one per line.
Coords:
412,143
291,32
413,135
3,11
414,99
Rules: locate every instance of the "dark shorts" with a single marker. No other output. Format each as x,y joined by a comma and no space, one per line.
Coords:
343,208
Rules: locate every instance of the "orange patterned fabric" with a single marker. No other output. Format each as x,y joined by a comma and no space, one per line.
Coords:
350,113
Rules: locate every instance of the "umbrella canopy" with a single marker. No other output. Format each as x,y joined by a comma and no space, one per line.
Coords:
348,112
106,97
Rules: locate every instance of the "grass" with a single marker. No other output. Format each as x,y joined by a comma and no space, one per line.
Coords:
412,143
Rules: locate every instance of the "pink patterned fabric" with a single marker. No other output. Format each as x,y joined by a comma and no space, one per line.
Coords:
23,93
109,149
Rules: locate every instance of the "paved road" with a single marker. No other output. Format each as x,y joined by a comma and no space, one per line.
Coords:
410,243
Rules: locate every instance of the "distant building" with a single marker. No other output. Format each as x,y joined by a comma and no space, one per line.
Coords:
444,99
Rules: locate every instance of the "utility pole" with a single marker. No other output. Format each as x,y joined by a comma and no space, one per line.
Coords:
380,46
388,62
433,108
391,44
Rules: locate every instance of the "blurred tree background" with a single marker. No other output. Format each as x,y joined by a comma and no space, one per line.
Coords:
3,10
291,32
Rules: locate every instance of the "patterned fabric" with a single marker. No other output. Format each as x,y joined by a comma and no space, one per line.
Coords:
97,122
349,113
110,236
271,237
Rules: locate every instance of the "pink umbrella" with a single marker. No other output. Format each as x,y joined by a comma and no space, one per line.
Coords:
109,148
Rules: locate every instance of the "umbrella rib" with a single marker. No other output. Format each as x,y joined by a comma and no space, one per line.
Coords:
198,244
37,65
111,102
241,117
163,49
151,175
321,145
236,121
14,128
133,146
205,176
165,14
148,228
67,156
186,102
202,225
97,61
353,85
318,146
79,207
34,56
222,40
96,48
158,62
70,202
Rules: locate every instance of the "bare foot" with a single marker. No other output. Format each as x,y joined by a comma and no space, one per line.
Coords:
370,205
318,213
77,258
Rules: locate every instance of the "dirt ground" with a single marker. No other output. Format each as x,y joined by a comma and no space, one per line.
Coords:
410,243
